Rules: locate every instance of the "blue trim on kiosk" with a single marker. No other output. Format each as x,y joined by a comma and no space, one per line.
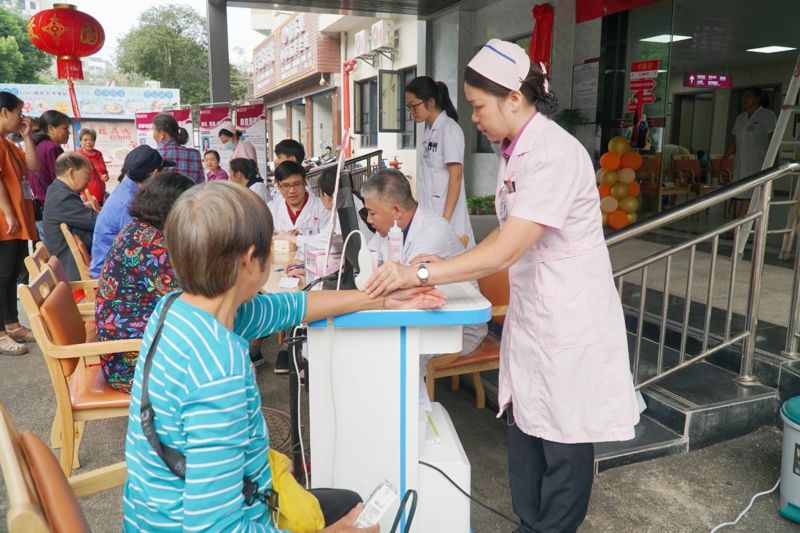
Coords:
392,318
403,398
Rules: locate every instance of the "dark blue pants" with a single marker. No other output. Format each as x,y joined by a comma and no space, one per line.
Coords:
550,482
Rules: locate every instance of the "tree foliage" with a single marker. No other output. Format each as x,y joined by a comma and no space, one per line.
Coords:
170,45
20,61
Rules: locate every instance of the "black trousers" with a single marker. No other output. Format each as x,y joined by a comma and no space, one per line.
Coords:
550,482
335,503
12,257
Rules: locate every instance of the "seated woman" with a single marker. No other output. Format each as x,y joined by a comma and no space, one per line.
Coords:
245,172
201,385
136,274
64,205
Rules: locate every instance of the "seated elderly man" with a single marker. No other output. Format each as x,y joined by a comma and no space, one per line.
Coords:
387,197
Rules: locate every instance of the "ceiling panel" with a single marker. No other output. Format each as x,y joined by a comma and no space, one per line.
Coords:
422,8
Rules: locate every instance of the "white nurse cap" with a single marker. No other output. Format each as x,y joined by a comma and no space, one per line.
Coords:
504,63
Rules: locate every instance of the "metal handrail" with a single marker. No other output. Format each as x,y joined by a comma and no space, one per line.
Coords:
701,203
758,216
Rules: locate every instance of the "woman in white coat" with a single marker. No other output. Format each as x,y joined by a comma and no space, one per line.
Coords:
565,380
440,154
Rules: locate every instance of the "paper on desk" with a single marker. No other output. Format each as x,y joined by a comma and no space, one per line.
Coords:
289,283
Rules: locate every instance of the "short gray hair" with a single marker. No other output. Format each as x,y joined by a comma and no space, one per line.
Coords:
392,185
69,160
208,230
87,131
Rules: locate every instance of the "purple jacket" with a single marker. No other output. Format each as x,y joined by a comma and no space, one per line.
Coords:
48,152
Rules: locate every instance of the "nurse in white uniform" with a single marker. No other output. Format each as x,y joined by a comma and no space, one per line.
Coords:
565,379
750,138
440,154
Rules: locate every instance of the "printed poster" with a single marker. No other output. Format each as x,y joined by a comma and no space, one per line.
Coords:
210,117
251,120
115,138
144,125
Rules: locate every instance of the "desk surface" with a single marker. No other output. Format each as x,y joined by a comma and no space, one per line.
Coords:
278,271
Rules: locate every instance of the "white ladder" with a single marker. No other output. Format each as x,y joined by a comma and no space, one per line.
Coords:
788,111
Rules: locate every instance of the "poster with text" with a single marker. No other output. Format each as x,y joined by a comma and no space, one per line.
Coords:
144,125
210,117
251,120
115,139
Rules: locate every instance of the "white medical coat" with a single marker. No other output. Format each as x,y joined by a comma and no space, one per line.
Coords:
428,234
442,143
320,239
313,216
752,141
564,353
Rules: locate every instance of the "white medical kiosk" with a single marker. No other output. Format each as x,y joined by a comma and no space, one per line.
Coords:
366,424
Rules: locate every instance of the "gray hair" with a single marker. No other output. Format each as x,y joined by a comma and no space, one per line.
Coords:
69,160
208,230
392,185
87,131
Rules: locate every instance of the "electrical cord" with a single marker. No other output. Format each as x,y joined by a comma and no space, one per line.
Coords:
294,346
746,509
468,495
344,252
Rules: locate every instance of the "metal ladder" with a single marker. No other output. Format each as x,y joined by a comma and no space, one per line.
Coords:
788,110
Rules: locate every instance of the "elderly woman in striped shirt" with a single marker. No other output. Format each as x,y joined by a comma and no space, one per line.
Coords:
205,401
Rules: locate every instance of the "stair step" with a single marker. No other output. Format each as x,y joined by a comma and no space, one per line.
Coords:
652,440
707,405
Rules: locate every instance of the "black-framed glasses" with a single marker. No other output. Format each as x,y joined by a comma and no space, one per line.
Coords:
412,107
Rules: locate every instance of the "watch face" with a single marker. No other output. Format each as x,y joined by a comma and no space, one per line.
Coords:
423,272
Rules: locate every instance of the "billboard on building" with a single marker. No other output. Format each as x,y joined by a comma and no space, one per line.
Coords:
96,102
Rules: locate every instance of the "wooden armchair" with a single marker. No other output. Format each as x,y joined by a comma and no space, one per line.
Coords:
486,357
79,252
686,176
40,498
71,353
88,288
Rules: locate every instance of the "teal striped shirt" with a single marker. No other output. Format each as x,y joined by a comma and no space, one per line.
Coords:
207,406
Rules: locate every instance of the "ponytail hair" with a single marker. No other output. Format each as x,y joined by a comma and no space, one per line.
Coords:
425,88
166,123
248,168
532,89
49,118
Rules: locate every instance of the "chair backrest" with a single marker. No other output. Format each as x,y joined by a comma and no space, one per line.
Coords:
495,288
59,272
40,497
35,261
650,169
54,316
79,252
688,165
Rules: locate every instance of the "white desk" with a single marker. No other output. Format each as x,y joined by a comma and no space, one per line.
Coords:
364,406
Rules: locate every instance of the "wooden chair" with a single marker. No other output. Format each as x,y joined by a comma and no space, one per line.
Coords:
686,175
35,261
486,357
40,498
35,265
71,353
79,252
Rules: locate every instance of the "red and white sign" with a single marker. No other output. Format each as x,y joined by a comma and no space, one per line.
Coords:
644,69
707,81
144,125
642,85
251,120
647,98
210,117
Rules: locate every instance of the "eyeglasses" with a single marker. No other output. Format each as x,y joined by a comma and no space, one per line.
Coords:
412,107
289,186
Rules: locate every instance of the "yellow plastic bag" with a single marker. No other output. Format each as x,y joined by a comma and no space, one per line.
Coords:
298,510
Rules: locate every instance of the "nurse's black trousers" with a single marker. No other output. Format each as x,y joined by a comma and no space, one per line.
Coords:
550,482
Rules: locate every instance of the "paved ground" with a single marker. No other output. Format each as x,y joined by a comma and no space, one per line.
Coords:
689,492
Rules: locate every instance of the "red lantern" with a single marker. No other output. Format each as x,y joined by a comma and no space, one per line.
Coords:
68,34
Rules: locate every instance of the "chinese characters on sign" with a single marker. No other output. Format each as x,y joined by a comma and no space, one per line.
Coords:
707,81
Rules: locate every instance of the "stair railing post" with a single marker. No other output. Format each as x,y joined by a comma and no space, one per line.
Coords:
746,375
792,334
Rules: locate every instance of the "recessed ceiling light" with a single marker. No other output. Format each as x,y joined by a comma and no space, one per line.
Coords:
661,71
771,49
665,38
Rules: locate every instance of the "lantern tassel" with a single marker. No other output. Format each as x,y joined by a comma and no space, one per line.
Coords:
76,112
69,68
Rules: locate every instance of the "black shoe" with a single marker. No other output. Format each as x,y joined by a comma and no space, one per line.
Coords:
256,357
282,362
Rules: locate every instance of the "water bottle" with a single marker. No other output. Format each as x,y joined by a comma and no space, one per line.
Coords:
395,238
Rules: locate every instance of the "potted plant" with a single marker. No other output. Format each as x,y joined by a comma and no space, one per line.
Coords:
570,119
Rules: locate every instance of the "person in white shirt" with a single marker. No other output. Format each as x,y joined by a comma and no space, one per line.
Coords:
440,154
750,138
387,196
296,210
245,172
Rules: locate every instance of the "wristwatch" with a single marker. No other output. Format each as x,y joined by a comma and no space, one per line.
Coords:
423,273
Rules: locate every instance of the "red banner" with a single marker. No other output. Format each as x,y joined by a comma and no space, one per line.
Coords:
210,117
586,10
542,36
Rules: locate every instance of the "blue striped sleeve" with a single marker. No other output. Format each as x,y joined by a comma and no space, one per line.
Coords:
217,430
267,313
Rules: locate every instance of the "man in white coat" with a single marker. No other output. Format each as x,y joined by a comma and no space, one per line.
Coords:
296,210
387,197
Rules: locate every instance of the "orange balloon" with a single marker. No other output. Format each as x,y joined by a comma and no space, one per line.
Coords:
632,160
634,189
618,219
604,190
610,161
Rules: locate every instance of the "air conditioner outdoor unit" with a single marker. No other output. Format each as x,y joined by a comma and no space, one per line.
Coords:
362,42
382,34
